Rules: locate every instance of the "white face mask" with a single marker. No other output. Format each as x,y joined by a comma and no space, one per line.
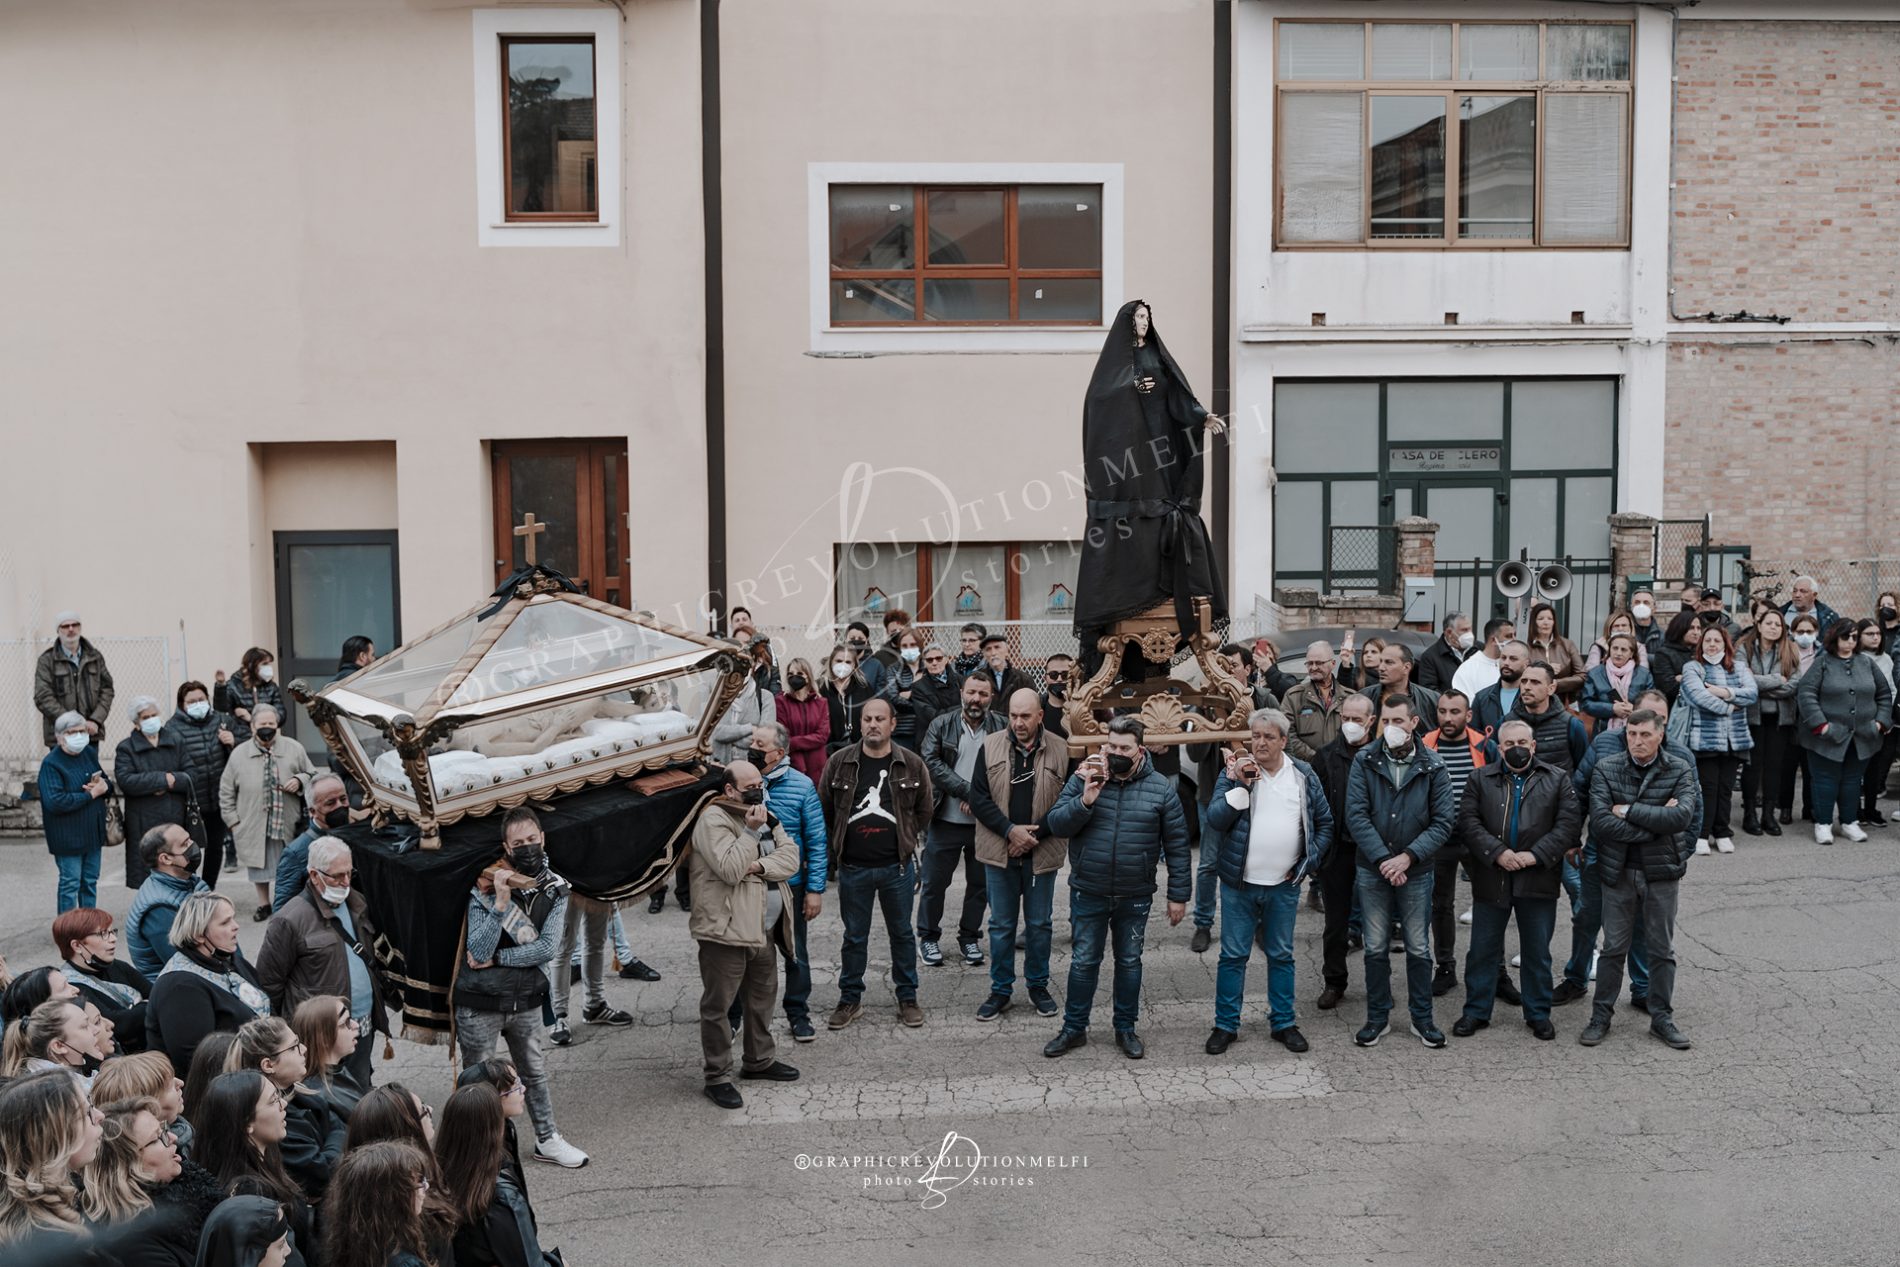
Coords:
265,672
75,741
841,670
1713,657
910,654
1465,640
197,710
1396,736
149,726
335,897
1641,611
1804,641
1353,732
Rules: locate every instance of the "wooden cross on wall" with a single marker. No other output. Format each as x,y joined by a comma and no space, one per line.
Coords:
530,529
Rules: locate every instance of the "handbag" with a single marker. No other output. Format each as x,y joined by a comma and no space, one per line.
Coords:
115,822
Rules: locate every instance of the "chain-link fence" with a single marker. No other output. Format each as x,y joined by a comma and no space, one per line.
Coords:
1682,552
1361,557
1849,586
139,666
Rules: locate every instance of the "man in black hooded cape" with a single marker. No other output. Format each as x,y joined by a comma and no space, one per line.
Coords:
1142,439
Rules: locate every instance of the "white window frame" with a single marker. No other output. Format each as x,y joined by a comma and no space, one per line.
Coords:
602,25
1023,337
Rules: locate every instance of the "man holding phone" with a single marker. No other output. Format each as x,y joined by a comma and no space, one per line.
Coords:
1121,818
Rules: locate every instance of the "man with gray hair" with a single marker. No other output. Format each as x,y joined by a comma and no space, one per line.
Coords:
319,944
71,676
1438,663
1312,707
1806,602
329,810
1274,825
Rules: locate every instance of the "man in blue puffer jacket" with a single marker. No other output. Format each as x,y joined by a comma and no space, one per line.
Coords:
1121,818
794,801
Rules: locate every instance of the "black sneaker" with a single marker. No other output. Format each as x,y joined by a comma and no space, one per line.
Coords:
686,904
1202,939
1465,1026
606,1014
1595,1032
655,905
777,1071
1370,1034
1044,1001
725,1095
1219,1040
1544,1031
1444,980
930,953
992,1007
1429,1034
560,1035
972,952
635,970
1665,1029
802,1031
1567,991
1130,1043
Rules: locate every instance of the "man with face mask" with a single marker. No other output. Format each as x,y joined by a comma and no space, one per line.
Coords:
173,858
1490,706
857,636
793,800
1399,813
1339,869
71,676
515,915
754,706
742,857
319,944
1463,750
329,810
952,748
1649,630
1561,738
1518,819
1439,664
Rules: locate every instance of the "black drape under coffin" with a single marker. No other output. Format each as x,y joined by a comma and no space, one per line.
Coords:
1144,543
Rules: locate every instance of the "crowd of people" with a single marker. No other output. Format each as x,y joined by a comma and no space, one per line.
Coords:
169,1100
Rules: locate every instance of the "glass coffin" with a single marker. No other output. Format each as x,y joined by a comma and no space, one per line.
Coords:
541,692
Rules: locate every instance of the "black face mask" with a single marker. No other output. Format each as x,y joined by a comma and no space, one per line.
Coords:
1120,763
757,757
798,681
529,859
1888,615
753,796
193,856
1518,759
267,733
338,817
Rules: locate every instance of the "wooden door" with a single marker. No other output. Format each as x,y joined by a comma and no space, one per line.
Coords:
577,492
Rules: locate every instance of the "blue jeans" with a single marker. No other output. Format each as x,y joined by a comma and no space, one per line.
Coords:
1536,925
78,879
892,889
1588,922
1573,886
616,937
1408,905
1251,913
1094,919
1017,889
1837,783
1207,886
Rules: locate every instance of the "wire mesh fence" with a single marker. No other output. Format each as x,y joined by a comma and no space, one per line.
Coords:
1849,586
1361,557
139,666
1682,551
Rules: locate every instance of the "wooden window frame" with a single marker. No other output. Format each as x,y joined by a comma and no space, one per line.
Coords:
509,214
1451,90
1010,269
925,609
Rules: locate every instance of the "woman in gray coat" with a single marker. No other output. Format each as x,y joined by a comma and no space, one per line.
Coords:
1844,705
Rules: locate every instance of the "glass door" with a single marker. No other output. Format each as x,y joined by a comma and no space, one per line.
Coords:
331,586
577,492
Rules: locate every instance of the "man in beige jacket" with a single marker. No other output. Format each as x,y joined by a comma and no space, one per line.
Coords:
740,862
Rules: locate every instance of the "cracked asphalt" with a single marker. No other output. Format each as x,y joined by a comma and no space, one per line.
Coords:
1774,1141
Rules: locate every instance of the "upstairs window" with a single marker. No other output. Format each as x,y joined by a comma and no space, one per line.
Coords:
1453,134
551,165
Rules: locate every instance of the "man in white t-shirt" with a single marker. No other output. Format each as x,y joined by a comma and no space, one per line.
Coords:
1273,824
1481,670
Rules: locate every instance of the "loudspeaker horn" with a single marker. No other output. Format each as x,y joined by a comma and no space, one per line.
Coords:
1554,582
1513,579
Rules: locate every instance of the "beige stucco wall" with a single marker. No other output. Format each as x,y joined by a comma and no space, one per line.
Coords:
986,81
254,224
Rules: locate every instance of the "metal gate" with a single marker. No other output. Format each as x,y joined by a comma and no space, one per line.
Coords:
1467,585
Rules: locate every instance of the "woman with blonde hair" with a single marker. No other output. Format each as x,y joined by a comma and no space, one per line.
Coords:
48,1134
1618,621
205,986
313,1130
806,716
137,1175
846,691
146,1075
330,1034
55,1035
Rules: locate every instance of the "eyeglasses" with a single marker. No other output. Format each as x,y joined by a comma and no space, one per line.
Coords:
422,1183
296,1046
427,1112
164,1139
112,933
280,1097
336,879
346,1021
518,1088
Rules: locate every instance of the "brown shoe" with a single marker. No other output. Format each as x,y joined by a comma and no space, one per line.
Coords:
909,1013
1329,998
844,1014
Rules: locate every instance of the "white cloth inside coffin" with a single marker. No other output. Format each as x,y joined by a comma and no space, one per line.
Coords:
454,773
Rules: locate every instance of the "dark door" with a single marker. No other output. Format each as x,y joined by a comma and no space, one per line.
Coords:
577,492
331,586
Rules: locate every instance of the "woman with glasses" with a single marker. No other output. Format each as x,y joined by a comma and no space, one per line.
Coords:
499,1073
241,1130
205,986
330,1036
806,716
88,942
495,1224
139,1182
377,1209
147,1075
313,1130
902,687
48,1134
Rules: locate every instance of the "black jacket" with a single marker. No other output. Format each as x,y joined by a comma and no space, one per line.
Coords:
927,693
1014,679
1665,665
1549,824
204,756
185,1007
139,768
1653,828
940,755
1116,843
507,1235
1333,763
233,695
1436,665
128,1023
313,1141
1561,738
167,1234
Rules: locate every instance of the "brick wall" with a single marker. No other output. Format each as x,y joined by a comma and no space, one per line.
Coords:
1787,157
1788,445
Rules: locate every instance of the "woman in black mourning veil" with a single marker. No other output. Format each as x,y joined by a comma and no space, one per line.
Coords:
1144,542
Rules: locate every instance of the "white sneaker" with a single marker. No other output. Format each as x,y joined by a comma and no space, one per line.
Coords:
1465,918
1517,961
559,1152
1724,844
1853,832
1593,964
1701,846
1823,834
